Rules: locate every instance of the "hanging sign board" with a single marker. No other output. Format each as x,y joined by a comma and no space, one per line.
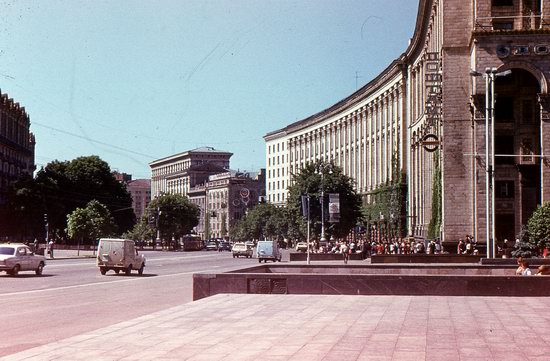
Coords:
334,207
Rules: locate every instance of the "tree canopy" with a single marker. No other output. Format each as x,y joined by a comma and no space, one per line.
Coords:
321,177
538,227
63,186
263,221
174,215
90,223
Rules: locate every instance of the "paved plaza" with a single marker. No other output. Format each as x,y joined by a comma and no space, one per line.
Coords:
310,327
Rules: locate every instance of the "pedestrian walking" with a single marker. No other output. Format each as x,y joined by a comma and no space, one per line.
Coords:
50,247
345,252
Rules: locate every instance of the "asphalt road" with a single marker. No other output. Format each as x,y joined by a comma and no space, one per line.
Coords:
72,297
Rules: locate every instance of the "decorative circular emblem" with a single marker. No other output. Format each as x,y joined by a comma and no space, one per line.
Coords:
430,142
503,51
244,193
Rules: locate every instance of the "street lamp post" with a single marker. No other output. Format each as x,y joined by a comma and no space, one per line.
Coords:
159,212
490,75
488,159
308,231
321,170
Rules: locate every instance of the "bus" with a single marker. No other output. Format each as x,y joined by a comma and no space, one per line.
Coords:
191,242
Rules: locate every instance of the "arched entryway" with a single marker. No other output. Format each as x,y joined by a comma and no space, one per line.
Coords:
517,145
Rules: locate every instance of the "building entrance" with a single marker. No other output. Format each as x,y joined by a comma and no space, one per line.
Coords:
517,144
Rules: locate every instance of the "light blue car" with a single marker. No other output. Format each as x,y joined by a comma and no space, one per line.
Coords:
268,250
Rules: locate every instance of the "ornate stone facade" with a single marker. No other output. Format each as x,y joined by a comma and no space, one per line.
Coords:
178,173
16,144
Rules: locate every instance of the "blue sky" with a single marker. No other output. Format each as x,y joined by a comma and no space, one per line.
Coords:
134,81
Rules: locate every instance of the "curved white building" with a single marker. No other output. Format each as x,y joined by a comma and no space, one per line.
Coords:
421,124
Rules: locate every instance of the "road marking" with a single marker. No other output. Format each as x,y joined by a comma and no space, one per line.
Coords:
104,283
50,264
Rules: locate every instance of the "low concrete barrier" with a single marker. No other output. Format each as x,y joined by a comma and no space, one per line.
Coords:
377,280
533,262
424,258
302,256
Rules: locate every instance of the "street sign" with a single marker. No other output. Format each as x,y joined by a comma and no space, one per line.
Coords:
430,142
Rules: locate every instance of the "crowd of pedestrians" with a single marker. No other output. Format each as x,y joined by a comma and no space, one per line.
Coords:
467,246
386,246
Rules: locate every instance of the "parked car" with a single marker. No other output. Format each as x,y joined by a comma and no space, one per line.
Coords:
268,250
301,246
240,249
224,246
19,257
212,246
119,255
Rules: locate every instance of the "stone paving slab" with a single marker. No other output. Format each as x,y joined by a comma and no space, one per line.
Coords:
306,327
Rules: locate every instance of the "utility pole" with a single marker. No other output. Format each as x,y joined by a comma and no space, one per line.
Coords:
159,212
46,226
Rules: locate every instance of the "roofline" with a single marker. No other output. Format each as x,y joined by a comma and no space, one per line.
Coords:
396,66
187,153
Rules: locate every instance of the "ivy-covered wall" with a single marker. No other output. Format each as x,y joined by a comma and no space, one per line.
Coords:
385,201
434,228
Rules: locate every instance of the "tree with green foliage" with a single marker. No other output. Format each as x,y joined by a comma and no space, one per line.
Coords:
141,232
538,227
90,223
61,187
263,221
23,217
174,215
309,182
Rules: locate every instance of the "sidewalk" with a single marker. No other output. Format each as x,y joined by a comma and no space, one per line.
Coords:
303,327
71,253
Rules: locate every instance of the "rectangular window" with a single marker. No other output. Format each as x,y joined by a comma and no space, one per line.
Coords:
504,189
503,2
504,145
503,25
527,112
504,109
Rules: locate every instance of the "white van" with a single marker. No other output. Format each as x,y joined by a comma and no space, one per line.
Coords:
268,250
119,255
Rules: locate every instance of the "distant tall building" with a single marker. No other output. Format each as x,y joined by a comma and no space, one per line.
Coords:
122,177
16,144
224,199
178,173
140,190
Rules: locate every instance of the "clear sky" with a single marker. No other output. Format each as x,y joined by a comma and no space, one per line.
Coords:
135,81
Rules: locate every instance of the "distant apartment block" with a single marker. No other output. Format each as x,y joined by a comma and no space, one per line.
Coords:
140,190
178,173
224,199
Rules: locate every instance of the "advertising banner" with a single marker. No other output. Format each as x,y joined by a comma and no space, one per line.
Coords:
334,207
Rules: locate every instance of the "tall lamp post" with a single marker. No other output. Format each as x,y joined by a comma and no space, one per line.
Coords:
490,75
159,212
321,170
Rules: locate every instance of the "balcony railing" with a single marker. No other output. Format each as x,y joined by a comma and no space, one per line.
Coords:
512,23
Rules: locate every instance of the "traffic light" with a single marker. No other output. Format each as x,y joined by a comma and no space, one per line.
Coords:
46,218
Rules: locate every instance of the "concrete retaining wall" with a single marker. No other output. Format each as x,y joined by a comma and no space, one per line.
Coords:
355,281
324,257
